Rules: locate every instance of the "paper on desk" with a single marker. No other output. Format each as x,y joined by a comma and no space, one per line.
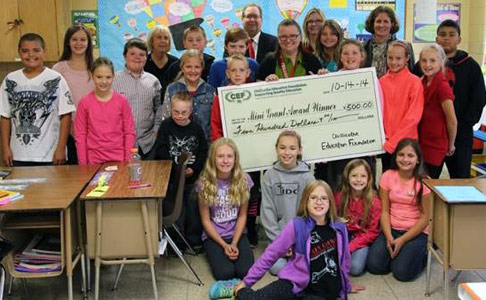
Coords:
23,180
461,193
98,191
13,187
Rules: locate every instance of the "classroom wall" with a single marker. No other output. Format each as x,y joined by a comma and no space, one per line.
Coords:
473,27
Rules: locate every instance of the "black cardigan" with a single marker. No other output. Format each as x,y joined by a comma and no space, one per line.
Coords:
269,63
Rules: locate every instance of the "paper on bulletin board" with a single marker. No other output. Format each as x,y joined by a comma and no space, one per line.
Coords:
426,33
121,20
425,11
369,5
89,18
338,116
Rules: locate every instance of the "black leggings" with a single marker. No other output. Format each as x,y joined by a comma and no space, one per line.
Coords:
222,267
280,289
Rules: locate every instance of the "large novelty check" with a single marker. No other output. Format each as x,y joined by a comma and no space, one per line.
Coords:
338,116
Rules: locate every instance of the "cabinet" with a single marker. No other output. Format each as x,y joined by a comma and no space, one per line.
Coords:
45,17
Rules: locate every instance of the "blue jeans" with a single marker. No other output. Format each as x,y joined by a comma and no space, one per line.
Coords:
358,261
407,265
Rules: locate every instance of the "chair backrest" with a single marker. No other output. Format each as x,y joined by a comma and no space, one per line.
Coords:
176,198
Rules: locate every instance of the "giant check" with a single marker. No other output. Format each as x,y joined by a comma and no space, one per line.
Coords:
338,116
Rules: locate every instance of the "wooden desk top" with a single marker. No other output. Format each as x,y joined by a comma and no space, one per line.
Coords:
156,173
63,185
479,183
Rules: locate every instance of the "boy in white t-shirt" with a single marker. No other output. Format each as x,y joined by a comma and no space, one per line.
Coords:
36,107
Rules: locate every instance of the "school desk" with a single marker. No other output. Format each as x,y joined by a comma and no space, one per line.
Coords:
48,207
457,229
122,224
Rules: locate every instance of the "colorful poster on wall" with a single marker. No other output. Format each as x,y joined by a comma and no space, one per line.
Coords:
121,20
425,33
88,18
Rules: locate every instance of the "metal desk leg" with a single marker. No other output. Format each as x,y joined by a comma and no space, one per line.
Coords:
99,208
69,251
88,272
430,245
446,253
81,249
149,246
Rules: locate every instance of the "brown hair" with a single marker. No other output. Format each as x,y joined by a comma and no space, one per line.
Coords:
370,20
181,96
67,52
32,37
304,200
291,133
103,61
347,191
335,29
234,35
194,28
252,5
135,43
401,43
419,170
288,23
357,44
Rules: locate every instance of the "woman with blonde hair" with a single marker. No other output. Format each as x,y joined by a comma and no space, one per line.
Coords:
312,24
159,59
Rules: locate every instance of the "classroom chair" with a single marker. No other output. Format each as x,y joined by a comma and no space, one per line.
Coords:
169,216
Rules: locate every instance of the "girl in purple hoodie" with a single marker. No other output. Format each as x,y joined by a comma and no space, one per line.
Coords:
319,266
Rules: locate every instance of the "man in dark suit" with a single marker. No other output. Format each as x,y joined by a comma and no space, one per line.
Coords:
261,42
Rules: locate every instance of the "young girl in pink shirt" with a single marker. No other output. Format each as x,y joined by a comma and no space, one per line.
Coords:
402,246
358,204
104,127
403,100
438,127
75,66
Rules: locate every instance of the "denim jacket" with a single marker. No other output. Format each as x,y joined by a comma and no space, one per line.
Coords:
201,103
296,235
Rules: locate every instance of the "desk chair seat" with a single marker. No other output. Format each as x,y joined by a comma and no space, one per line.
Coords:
174,201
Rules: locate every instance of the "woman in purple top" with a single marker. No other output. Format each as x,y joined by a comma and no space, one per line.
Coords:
223,191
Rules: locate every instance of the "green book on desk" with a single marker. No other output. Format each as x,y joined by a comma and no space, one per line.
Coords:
461,194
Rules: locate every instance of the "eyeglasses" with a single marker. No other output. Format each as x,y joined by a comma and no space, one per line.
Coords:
183,113
315,199
289,37
315,22
254,17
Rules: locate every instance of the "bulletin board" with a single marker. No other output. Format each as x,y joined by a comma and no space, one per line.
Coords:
120,20
426,33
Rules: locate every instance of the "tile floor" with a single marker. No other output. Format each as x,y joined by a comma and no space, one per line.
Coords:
176,283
